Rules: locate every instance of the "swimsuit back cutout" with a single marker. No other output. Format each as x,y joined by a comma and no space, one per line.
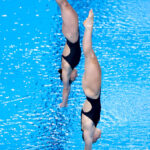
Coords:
75,53
94,113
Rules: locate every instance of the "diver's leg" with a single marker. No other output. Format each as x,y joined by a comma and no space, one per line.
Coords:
70,21
87,39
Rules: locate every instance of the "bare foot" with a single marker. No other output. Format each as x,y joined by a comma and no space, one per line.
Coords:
61,2
63,105
88,23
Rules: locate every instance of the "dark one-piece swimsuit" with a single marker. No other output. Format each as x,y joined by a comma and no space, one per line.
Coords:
75,53
94,113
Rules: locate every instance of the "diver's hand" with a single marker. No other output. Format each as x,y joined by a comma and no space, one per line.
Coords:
63,105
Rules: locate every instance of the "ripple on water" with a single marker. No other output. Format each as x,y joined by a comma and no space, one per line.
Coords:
30,89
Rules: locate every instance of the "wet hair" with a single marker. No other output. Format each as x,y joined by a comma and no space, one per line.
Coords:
83,137
60,71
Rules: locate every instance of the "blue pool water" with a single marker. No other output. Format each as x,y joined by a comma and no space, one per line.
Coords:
31,44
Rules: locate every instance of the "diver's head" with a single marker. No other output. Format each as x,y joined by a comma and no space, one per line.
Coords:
97,135
72,76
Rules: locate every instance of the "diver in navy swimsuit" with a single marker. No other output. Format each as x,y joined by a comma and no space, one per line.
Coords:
91,83
72,51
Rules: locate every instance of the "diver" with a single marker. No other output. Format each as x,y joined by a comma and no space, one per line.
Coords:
91,83
72,51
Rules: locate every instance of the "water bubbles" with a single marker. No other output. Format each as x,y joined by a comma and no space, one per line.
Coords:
11,46
15,22
12,90
17,66
4,15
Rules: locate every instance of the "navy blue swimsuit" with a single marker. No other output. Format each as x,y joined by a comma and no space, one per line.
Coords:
94,113
75,53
